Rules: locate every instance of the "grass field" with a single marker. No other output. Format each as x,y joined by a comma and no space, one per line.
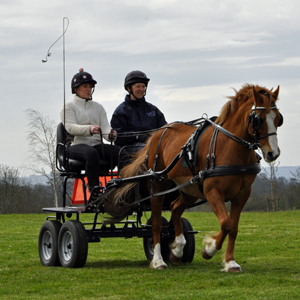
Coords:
267,249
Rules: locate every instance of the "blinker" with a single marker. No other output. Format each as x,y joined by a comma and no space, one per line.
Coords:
280,120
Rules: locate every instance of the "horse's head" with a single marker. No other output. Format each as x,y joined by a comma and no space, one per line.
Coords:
264,119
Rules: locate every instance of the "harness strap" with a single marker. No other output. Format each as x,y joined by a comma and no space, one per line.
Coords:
157,151
217,171
266,135
156,159
146,175
248,145
191,167
213,139
147,155
230,170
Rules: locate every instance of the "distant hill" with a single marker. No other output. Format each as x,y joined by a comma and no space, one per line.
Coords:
285,171
36,179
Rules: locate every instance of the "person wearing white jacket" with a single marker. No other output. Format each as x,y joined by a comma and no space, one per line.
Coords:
87,121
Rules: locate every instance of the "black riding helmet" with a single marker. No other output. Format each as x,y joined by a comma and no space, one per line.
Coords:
135,77
80,78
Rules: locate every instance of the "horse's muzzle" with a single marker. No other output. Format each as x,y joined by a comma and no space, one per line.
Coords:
270,156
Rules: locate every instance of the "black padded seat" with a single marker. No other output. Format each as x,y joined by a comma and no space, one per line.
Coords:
66,164
71,168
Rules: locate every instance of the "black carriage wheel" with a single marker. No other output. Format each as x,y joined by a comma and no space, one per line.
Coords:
164,243
72,244
48,243
189,248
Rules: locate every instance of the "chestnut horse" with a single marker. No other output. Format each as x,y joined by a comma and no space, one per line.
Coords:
248,121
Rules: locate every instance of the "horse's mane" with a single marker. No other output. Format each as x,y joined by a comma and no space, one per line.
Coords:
243,95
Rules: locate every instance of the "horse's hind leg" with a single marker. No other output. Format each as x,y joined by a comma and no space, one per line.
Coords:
156,208
178,207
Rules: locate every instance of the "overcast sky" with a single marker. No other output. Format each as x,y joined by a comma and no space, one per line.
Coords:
193,51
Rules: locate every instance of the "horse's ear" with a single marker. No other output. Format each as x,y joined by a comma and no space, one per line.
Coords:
276,93
256,96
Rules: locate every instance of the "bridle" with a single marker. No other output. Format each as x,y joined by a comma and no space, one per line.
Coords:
254,119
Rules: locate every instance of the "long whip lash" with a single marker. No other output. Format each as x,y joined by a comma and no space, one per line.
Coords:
65,28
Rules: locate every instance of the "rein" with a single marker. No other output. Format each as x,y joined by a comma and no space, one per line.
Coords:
251,146
135,133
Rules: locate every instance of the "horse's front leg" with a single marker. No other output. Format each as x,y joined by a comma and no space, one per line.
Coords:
156,207
214,243
178,207
229,263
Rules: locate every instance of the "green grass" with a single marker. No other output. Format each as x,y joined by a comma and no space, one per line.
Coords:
267,249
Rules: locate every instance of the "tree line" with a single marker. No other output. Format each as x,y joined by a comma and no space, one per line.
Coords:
280,195
19,195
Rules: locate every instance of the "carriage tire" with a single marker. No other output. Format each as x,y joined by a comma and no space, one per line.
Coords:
48,243
72,244
189,248
164,243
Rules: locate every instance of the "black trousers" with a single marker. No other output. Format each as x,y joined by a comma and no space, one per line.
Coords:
92,155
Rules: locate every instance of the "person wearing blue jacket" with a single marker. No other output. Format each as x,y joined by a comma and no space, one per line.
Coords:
134,117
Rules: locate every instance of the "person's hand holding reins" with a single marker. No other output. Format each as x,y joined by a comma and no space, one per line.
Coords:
94,129
112,135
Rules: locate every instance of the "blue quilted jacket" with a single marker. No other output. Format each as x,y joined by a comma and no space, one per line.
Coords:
134,116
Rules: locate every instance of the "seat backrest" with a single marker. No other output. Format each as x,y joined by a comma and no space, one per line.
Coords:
60,133
63,140
60,145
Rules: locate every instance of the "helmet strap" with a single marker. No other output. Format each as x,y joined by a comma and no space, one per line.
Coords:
91,98
131,93
93,90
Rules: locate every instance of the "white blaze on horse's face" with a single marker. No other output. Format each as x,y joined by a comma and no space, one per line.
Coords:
271,150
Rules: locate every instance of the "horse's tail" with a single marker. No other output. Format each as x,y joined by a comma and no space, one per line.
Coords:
119,200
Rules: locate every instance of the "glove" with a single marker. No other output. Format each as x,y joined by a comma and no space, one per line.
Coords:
112,135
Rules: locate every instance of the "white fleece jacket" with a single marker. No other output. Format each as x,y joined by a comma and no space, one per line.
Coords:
80,116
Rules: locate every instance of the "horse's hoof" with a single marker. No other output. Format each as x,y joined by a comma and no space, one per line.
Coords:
232,267
158,265
235,270
175,261
162,267
205,255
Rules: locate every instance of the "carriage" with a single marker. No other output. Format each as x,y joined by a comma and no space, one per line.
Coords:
64,238
181,166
